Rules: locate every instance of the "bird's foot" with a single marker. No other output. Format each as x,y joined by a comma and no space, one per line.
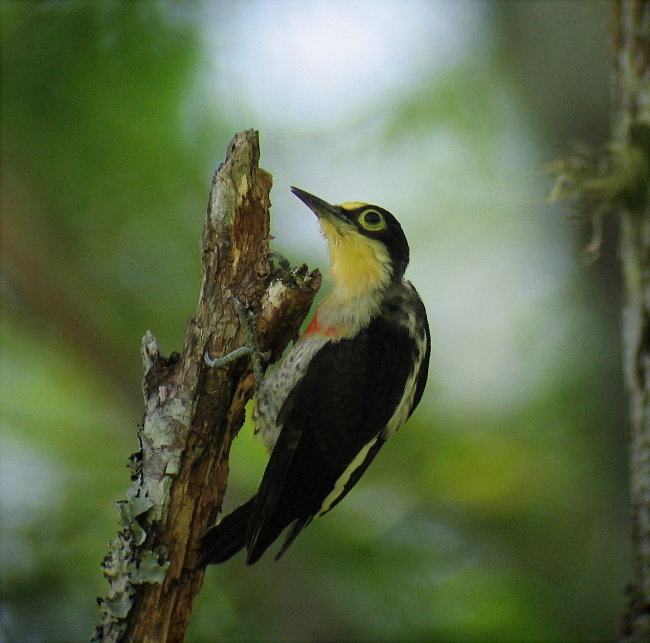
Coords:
252,348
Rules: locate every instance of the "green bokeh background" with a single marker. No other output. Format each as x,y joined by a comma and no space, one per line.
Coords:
500,511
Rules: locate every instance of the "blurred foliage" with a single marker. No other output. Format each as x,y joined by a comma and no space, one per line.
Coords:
487,517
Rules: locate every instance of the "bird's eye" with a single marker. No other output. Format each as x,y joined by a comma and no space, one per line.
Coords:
372,220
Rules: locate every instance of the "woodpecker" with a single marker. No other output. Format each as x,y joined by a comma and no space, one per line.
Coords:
347,385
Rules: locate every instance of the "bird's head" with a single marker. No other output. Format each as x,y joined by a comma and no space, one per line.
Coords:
366,243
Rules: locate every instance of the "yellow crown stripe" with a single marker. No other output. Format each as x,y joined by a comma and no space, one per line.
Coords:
352,205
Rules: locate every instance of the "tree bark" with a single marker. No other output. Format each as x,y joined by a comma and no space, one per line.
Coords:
631,50
193,412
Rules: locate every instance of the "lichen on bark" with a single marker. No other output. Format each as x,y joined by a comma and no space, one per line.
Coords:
192,412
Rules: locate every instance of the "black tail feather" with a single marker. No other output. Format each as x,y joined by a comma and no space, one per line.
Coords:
296,528
227,537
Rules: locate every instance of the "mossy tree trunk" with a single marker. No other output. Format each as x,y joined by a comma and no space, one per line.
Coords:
631,137
617,183
193,412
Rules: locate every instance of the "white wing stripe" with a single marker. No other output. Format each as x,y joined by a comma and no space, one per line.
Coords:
344,478
403,409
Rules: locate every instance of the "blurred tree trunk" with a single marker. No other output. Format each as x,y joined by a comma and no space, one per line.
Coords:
193,412
631,137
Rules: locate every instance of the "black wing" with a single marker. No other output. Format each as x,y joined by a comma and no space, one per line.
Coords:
332,419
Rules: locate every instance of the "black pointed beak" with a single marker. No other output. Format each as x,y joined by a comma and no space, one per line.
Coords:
322,209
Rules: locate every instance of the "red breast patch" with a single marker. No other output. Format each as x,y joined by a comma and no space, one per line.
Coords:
316,328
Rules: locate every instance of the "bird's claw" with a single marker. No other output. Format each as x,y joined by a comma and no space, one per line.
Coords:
246,317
